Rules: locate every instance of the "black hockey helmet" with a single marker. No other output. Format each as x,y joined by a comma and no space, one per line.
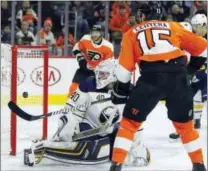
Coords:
97,28
97,33
152,10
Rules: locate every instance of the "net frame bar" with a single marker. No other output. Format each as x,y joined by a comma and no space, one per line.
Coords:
13,121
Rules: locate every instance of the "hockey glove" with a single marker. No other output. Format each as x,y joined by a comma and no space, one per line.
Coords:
195,64
120,92
82,63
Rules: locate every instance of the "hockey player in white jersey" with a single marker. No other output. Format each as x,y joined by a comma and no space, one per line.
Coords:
95,149
199,79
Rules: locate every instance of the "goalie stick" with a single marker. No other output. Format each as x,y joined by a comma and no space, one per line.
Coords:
26,116
90,133
93,131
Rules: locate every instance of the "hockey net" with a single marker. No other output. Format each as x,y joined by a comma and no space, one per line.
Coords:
23,69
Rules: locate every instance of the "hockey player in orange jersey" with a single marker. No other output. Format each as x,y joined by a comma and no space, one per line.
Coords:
158,48
90,51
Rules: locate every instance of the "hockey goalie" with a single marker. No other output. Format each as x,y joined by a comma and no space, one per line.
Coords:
97,147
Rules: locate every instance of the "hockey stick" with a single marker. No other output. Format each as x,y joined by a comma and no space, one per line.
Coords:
26,116
90,133
83,134
94,131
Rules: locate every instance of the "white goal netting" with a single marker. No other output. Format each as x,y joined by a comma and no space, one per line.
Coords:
29,64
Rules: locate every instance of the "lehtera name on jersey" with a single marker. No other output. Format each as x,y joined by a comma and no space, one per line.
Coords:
151,25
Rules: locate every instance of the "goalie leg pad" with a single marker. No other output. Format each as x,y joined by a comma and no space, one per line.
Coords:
198,109
138,155
83,152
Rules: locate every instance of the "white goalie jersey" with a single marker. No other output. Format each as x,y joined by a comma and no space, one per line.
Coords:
99,114
94,116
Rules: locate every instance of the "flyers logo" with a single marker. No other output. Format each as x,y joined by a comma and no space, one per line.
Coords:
134,111
94,56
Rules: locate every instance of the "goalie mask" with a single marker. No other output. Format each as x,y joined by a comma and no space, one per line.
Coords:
105,74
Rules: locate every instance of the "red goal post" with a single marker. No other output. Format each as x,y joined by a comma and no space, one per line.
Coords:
27,52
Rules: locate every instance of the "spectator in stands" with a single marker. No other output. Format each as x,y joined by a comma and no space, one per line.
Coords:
116,6
82,24
60,43
5,14
117,21
130,23
133,6
31,20
89,13
177,13
6,35
46,35
169,17
99,14
26,11
200,6
24,36
5,22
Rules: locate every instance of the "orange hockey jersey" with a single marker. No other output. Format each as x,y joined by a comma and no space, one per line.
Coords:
94,53
158,40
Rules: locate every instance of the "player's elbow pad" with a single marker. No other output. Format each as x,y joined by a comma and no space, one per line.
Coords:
195,64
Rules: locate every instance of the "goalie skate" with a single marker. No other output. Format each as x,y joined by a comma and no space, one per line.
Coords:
28,159
34,154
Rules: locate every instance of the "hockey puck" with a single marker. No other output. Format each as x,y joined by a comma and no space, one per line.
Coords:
25,94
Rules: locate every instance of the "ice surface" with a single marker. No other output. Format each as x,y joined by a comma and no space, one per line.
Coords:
165,155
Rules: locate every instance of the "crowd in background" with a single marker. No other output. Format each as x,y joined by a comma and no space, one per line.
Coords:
82,15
